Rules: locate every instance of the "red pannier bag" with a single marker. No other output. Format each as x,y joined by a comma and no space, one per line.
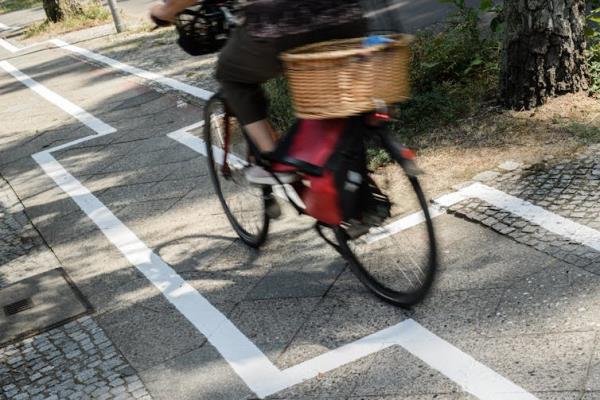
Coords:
338,150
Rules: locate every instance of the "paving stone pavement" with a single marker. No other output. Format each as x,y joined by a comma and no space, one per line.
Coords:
75,361
569,188
22,251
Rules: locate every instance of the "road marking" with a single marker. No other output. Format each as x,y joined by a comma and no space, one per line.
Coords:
198,145
261,376
4,27
8,46
377,234
548,220
86,118
243,356
153,76
13,49
376,13
471,375
439,208
193,142
170,82
247,360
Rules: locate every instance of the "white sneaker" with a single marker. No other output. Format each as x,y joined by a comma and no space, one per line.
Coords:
260,176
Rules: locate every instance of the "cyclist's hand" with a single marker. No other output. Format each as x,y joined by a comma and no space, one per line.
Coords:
159,14
164,14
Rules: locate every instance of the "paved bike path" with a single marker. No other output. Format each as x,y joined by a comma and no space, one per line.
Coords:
295,300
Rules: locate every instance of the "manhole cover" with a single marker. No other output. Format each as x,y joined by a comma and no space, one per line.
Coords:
37,304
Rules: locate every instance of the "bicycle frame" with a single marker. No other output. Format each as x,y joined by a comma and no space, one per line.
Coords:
344,235
374,123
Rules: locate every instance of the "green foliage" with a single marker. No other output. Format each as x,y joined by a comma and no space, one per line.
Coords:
593,21
7,6
452,73
377,158
453,55
593,58
281,109
497,23
593,51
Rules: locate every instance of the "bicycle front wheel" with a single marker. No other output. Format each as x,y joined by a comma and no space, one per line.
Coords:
397,261
229,154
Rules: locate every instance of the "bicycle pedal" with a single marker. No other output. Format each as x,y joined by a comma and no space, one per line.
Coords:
272,208
355,229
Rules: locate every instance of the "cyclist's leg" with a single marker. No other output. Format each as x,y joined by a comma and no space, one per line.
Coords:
244,64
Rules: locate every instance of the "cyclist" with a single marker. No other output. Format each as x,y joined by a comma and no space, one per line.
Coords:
251,56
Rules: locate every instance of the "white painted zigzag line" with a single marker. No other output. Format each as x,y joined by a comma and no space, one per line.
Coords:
152,76
170,82
83,116
244,357
4,27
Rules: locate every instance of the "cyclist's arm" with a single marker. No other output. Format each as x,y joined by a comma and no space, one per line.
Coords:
168,10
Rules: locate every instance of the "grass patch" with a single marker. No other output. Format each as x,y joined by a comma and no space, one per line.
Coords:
7,6
281,110
585,132
92,14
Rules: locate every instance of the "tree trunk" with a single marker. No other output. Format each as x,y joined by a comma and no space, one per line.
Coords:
57,10
543,52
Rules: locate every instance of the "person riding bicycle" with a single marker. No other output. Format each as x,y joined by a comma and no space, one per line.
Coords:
251,56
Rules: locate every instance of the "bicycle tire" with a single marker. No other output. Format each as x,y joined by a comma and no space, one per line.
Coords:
233,184
380,278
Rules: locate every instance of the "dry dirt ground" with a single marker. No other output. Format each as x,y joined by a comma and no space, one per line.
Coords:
451,156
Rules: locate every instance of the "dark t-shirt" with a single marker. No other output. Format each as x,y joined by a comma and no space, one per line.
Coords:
276,18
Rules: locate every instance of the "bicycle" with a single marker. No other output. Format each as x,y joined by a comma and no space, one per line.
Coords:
230,151
399,267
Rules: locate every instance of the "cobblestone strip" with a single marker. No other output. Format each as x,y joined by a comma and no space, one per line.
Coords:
22,252
75,361
569,188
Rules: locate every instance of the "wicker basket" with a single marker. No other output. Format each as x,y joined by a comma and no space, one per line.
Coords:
340,78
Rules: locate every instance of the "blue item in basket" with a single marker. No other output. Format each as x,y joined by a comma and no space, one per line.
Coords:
376,41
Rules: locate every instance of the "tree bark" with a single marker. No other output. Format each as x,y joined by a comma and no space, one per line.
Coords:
543,54
57,10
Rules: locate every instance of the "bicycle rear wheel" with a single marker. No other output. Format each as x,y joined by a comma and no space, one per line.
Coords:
398,261
244,204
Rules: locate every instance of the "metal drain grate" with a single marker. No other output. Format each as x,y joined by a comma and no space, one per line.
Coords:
18,307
